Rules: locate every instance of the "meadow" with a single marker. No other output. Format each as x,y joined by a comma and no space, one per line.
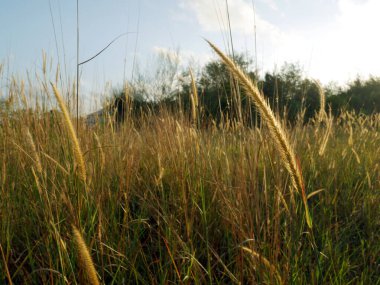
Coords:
160,199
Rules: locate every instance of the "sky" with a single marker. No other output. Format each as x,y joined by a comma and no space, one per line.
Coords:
331,40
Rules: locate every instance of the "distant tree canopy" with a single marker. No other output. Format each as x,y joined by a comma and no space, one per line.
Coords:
287,91
361,96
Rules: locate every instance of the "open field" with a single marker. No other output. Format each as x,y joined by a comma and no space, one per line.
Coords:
160,200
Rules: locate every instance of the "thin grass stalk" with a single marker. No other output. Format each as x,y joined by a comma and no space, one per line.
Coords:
351,137
56,163
128,102
3,173
322,102
322,148
77,74
36,157
193,109
101,152
37,182
193,98
194,88
6,266
265,262
276,131
76,147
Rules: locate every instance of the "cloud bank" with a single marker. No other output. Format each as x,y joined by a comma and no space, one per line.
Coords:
338,49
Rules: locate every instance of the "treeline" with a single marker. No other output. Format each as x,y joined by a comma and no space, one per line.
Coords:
288,92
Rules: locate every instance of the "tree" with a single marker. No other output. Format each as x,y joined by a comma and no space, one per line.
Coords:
221,96
360,96
288,91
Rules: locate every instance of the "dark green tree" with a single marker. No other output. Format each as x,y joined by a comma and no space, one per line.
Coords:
361,96
221,94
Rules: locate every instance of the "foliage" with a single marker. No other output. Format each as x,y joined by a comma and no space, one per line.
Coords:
362,96
288,92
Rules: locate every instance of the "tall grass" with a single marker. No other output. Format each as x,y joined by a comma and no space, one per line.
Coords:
173,202
86,263
277,132
76,147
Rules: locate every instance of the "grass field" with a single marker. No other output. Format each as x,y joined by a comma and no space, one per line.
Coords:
158,200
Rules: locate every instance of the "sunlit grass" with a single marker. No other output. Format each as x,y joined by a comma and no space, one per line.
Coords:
164,200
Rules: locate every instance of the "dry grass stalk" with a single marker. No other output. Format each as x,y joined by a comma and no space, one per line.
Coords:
193,97
85,260
276,131
70,208
351,137
23,151
101,152
37,182
322,102
56,163
193,109
356,155
36,157
264,262
44,62
3,174
22,95
128,100
6,266
57,71
76,147
329,123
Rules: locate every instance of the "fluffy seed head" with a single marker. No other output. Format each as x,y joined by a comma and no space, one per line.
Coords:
76,147
85,260
278,134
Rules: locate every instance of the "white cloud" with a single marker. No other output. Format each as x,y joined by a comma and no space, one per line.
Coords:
212,16
274,46
271,4
350,46
336,49
184,57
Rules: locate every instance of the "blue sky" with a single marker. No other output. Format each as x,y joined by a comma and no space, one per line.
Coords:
332,40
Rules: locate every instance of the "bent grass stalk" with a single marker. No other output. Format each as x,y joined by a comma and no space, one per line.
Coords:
36,157
6,266
276,131
76,147
265,262
56,163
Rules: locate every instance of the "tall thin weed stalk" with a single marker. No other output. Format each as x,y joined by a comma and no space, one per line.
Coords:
193,98
75,143
278,134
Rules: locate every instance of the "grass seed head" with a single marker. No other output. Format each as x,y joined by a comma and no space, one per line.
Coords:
76,147
278,134
85,260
